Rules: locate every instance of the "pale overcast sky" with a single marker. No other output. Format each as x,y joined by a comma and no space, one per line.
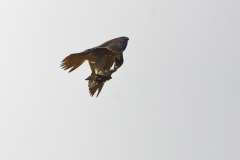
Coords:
176,97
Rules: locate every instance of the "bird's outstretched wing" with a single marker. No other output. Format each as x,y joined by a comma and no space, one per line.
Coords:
117,45
75,60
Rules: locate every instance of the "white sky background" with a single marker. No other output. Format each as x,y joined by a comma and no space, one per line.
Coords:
177,95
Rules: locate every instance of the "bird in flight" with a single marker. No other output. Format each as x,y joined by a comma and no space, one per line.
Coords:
101,60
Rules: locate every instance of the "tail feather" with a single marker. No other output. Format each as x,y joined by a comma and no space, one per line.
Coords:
100,88
93,89
96,82
73,61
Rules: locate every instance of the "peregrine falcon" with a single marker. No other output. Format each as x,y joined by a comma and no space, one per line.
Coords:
100,59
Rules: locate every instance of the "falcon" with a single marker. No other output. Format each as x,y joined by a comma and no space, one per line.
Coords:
100,59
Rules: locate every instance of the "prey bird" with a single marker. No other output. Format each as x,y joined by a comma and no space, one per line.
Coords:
101,60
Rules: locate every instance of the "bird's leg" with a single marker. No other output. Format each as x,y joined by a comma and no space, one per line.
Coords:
113,70
107,73
104,73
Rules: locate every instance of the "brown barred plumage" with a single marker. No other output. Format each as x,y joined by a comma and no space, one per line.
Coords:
101,59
